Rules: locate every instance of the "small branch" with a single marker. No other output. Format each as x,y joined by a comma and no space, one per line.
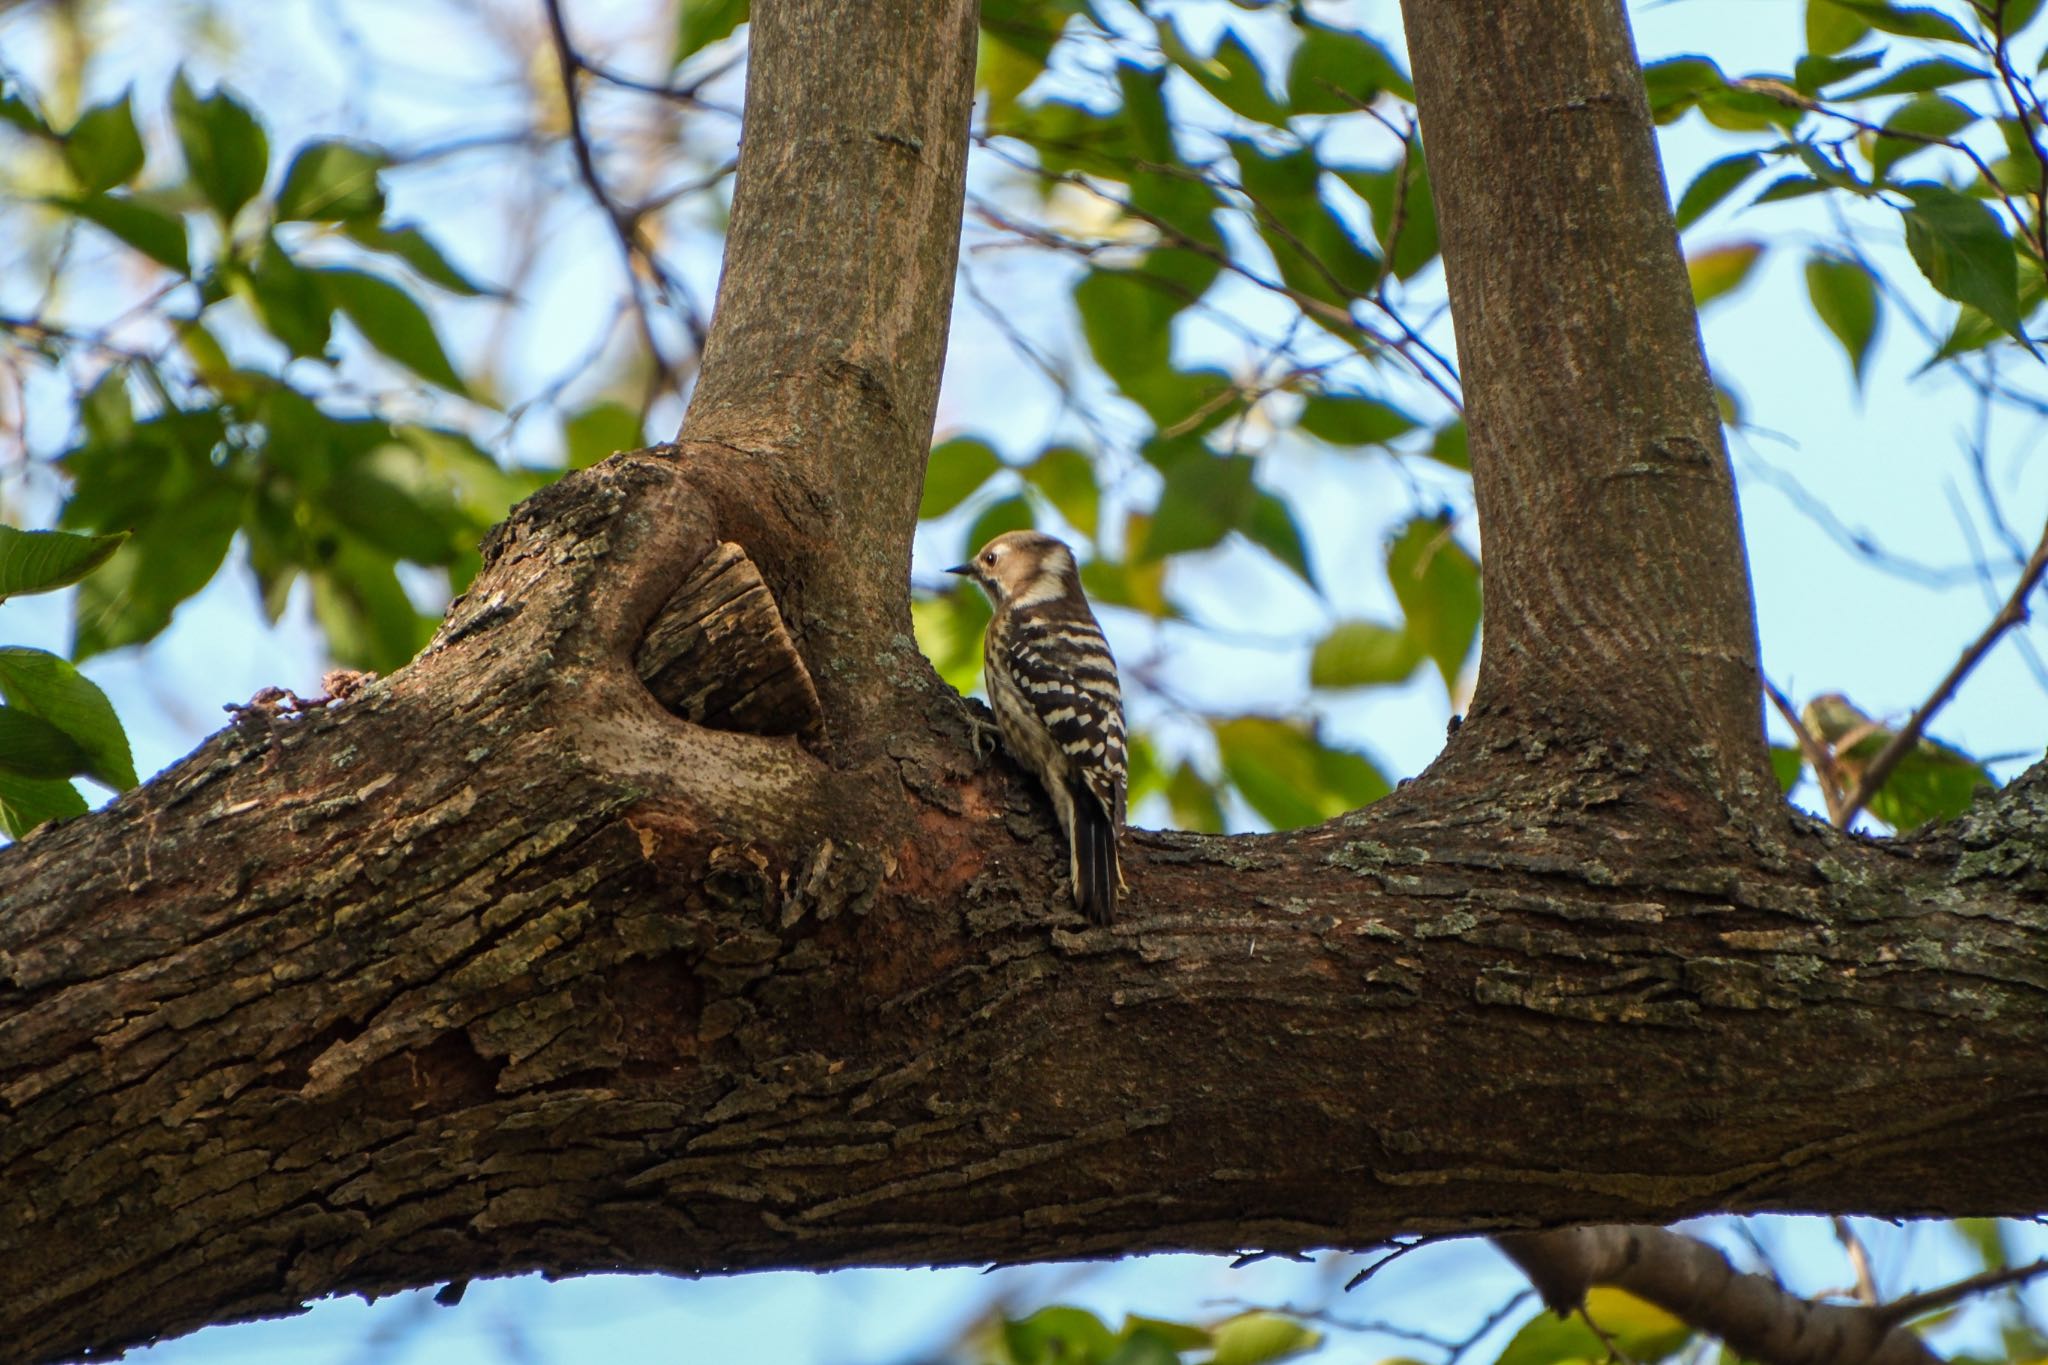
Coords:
1859,1261
570,62
1817,753
2011,614
1913,1305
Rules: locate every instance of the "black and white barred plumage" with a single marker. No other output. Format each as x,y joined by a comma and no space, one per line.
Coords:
1053,687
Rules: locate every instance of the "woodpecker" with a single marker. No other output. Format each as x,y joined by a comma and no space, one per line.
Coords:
1052,684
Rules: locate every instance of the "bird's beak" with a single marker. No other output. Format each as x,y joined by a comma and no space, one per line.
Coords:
961,569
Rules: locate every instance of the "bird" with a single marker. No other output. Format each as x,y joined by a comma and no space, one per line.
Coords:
1053,686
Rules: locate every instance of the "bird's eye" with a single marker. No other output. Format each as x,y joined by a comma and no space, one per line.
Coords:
989,558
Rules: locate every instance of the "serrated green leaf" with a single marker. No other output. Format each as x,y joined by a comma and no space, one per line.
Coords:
1066,478
26,802
156,234
33,748
1715,183
699,23
1255,1338
1181,1336
1932,782
103,148
1935,73
600,431
1337,71
226,152
1909,21
1924,116
1143,1347
43,561
1675,84
391,320
1452,445
1363,654
1348,419
1813,73
1437,585
1787,764
49,688
333,181
955,470
131,599
1721,270
1845,299
408,244
1961,247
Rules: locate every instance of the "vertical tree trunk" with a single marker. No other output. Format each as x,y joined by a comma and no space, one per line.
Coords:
1617,597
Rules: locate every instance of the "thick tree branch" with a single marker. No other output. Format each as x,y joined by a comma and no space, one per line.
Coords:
1616,588
1692,1281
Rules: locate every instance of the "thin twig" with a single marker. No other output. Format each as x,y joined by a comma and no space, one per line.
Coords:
570,63
2011,614
1859,1262
1913,1305
1817,754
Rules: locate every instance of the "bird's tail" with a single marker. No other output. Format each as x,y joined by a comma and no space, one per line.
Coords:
1094,865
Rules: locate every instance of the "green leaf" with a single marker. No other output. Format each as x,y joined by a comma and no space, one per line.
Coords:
948,629
156,234
34,748
956,469
1255,1338
1354,420
600,431
1642,1330
1287,775
1924,116
1403,211
1193,802
1232,74
226,152
1830,28
1437,585
332,181
700,23
43,561
1058,1336
1181,1336
1961,247
1909,21
1788,187
1845,299
394,501
1206,497
131,600
1675,85
49,688
1787,763
287,299
1127,318
1452,446
369,620
1932,782
1721,270
1935,73
407,243
1270,525
1719,180
1315,251
1336,71
103,149
1017,38
1006,514
26,802
391,320
1363,654
1813,73
1066,478
1143,1347
16,110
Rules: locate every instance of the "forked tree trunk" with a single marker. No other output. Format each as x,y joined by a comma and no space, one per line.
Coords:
501,966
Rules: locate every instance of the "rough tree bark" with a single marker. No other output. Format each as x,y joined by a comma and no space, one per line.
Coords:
501,966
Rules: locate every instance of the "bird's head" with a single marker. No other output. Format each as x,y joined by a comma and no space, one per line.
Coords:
1022,568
